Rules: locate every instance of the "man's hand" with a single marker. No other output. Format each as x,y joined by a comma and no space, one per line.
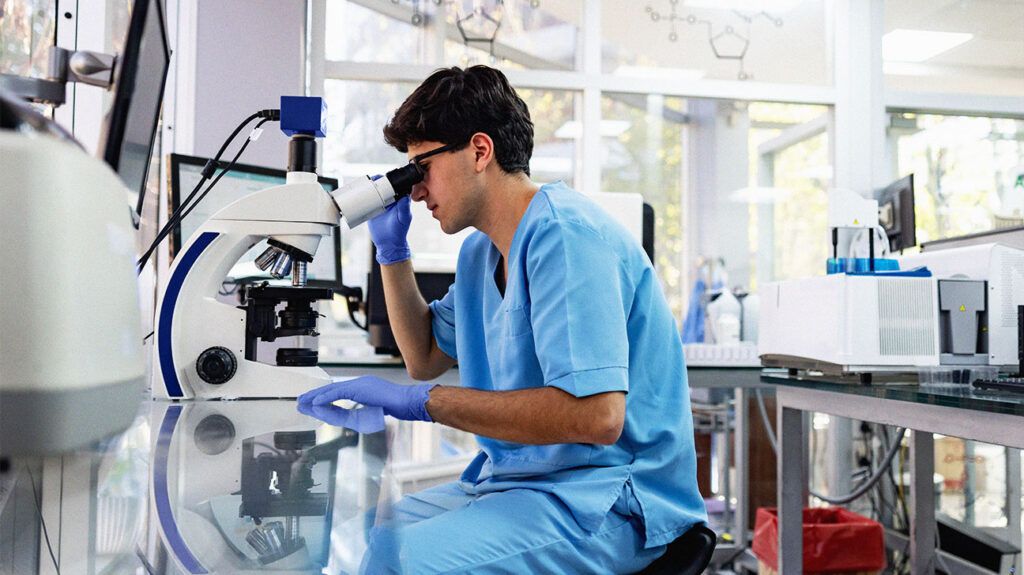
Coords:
362,420
402,401
389,232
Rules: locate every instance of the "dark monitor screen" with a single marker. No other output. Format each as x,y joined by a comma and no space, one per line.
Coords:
896,213
243,180
432,286
140,73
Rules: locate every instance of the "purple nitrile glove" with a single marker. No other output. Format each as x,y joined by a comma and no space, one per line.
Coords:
364,420
389,232
408,402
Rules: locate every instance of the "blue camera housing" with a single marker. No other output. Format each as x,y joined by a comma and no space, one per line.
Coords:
304,115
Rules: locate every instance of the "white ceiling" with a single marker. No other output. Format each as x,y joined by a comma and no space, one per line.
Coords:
997,26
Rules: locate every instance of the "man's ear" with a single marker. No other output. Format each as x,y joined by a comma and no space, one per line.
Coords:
483,150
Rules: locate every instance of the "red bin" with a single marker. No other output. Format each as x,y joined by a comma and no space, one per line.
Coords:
836,540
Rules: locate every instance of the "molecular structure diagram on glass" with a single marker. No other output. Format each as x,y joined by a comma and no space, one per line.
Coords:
726,42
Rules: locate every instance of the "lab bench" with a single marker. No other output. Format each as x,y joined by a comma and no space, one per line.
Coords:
959,411
185,490
730,388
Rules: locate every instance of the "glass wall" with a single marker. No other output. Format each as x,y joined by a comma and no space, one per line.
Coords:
27,31
533,34
685,156
718,39
753,196
968,171
791,177
510,33
642,152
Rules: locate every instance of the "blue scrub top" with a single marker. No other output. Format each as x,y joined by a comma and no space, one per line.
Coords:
582,311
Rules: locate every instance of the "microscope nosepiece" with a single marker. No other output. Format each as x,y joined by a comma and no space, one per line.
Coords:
282,266
267,258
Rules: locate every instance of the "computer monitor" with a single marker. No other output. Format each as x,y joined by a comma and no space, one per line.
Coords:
242,180
896,213
139,77
433,285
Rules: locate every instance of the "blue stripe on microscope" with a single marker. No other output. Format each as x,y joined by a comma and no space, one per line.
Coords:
161,494
187,260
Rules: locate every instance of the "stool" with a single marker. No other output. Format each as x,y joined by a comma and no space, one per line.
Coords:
689,554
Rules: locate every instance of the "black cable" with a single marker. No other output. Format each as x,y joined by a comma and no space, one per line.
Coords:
867,464
207,172
858,490
901,496
187,207
352,316
42,522
222,173
205,175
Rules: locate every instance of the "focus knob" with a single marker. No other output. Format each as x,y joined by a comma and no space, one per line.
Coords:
216,365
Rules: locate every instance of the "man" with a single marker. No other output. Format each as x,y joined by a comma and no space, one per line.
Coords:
570,363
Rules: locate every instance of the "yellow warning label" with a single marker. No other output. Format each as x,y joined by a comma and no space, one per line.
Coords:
962,308
856,222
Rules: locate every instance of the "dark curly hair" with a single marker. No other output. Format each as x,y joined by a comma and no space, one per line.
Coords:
453,104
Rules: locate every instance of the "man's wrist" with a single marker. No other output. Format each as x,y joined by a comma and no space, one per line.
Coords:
393,255
434,405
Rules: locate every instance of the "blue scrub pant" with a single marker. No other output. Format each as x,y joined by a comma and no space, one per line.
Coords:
444,529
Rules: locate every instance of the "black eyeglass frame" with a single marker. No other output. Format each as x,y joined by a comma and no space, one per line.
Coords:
417,159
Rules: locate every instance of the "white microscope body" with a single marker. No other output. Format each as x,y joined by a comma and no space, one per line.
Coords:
205,348
190,320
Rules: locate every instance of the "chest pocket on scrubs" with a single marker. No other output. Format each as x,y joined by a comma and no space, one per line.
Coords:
517,321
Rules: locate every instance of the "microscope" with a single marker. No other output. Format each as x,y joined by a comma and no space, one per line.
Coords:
205,348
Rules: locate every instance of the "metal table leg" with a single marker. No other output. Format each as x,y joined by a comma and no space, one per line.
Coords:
1013,494
840,465
742,440
726,475
970,475
922,503
792,478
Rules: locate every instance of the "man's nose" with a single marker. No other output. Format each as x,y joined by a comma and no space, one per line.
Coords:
419,193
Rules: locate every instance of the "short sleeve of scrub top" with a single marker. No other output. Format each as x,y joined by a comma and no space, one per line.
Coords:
576,308
442,313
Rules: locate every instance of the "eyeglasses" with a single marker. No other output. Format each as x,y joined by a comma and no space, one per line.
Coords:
418,159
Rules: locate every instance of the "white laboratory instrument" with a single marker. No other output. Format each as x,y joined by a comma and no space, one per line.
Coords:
206,348
843,323
848,210
996,274
72,368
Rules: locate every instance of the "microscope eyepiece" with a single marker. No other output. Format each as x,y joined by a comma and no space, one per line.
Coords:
403,179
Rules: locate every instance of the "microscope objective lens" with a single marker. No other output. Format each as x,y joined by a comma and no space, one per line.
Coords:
298,274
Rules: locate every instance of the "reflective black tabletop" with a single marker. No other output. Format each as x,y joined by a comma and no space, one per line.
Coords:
220,487
962,396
